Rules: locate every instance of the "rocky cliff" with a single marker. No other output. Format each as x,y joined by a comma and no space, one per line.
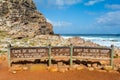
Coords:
21,19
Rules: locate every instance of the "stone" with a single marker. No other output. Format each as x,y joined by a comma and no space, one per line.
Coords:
95,65
115,68
89,65
14,72
16,68
53,69
90,68
75,66
37,67
25,68
63,69
103,62
22,17
80,67
107,68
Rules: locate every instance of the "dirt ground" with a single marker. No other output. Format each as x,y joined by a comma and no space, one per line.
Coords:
46,75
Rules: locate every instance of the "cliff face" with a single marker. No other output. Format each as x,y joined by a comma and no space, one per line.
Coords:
22,18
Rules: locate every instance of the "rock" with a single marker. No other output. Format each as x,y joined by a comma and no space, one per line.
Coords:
103,62
25,68
16,68
14,72
107,68
75,66
89,65
21,18
76,41
90,68
115,68
38,67
53,69
80,67
62,69
94,65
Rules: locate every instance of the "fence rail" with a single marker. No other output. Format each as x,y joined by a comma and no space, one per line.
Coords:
71,52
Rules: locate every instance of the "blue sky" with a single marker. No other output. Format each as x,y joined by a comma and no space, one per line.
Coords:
82,16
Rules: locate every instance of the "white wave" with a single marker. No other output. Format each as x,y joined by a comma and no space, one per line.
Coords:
104,41
67,37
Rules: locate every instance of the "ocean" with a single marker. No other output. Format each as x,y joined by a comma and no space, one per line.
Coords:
101,39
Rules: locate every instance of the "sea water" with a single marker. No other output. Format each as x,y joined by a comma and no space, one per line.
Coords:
101,39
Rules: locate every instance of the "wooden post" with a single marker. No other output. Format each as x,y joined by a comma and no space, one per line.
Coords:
49,55
9,61
71,54
111,55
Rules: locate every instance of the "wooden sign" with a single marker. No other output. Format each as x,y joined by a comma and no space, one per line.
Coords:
91,52
60,51
30,52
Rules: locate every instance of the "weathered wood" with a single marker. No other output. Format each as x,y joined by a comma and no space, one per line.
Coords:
49,55
9,58
112,54
70,52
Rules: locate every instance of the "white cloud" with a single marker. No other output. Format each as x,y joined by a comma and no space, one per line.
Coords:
113,6
110,19
59,23
92,2
58,3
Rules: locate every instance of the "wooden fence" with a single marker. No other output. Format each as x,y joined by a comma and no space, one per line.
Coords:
70,52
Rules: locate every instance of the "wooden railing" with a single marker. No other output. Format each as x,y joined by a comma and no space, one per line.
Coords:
70,52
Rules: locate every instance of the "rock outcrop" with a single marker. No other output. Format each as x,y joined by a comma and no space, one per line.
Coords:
21,18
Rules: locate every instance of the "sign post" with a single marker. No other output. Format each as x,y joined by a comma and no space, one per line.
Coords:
71,54
9,62
49,55
112,54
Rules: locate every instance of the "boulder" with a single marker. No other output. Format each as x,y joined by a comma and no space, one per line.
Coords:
14,72
16,68
53,69
25,68
22,16
90,68
108,68
62,69
79,67
103,62
89,65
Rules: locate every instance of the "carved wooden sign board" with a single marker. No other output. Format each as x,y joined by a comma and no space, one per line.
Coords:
91,52
60,51
30,52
